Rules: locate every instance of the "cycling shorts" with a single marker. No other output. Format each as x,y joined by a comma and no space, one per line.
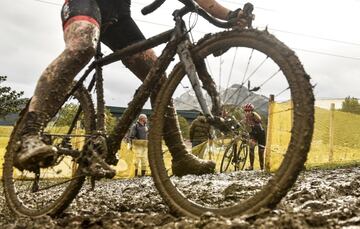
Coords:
118,29
258,134
84,10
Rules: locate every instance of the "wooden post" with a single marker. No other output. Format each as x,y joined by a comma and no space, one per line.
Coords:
269,133
331,132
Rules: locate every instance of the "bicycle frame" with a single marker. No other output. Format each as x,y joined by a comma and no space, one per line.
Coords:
177,41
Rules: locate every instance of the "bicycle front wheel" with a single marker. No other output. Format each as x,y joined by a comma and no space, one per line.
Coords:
241,155
267,66
227,158
50,190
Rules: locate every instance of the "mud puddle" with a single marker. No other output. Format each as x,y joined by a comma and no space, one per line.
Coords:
320,199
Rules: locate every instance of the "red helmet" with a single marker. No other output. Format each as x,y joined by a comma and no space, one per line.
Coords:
248,107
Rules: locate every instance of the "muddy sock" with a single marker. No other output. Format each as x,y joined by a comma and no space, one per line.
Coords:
34,123
261,158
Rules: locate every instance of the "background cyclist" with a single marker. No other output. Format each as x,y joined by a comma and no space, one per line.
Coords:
252,121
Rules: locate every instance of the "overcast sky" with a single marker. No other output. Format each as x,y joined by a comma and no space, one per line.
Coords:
324,33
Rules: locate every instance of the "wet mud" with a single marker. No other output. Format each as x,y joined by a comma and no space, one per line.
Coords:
319,199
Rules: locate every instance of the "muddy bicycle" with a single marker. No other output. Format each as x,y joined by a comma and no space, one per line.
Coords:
235,154
87,157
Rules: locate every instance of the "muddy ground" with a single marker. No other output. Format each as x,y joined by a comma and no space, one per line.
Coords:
320,199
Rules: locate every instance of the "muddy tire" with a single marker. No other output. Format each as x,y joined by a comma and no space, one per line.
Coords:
25,202
301,132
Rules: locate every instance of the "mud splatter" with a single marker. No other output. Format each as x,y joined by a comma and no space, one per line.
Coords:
320,198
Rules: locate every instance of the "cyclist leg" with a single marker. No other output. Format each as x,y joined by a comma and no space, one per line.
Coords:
81,34
125,32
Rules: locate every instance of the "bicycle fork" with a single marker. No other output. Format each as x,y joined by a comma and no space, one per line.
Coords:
190,69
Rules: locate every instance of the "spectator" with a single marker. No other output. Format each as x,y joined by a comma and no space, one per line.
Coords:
138,140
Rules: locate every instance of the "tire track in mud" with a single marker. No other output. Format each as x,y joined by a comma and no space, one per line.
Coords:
320,198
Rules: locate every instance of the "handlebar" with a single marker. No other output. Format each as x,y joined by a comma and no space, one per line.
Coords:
190,6
152,7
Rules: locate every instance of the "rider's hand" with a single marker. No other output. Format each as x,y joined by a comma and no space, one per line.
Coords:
242,17
237,18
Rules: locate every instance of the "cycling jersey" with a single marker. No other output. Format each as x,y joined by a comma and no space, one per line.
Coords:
118,29
256,131
253,119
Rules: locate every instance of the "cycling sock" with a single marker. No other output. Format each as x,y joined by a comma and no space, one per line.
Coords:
34,123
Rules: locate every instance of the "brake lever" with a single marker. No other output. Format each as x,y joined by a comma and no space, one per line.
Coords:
246,14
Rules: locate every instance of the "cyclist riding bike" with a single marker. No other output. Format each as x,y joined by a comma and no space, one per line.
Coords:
253,121
85,23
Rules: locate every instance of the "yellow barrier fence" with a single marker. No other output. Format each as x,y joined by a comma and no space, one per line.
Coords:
336,141
125,168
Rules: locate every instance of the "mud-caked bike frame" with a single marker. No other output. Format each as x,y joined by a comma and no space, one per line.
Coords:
100,148
177,42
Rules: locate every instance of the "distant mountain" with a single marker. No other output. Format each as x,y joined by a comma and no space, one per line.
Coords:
234,95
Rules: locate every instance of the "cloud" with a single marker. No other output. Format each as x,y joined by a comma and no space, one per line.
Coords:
31,37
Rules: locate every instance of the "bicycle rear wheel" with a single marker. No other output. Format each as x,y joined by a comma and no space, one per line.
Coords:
49,190
239,195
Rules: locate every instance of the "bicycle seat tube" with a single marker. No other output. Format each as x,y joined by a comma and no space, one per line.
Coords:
100,115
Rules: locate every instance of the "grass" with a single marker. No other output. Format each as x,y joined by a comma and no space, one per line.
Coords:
5,131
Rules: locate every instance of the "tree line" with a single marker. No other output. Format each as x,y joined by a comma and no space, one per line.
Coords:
11,101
